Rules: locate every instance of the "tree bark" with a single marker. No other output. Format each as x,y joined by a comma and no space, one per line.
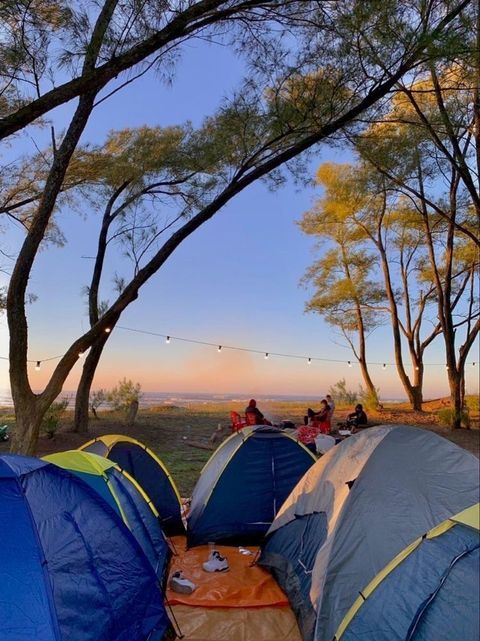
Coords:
83,391
28,420
132,413
456,398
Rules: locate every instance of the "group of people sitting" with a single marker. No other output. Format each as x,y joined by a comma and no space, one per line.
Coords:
315,422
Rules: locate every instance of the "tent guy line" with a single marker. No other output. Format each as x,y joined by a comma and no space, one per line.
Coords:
220,347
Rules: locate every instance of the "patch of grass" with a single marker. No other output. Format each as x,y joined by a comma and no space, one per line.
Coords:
473,404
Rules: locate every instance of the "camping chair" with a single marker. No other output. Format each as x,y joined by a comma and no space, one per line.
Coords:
237,422
323,426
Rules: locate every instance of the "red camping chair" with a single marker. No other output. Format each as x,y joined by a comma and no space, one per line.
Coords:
324,427
237,422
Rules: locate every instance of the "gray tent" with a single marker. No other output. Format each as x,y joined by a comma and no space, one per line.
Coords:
359,507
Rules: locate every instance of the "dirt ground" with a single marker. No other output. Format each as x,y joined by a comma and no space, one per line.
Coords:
172,432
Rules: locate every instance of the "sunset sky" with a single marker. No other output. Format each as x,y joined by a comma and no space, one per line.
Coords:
233,282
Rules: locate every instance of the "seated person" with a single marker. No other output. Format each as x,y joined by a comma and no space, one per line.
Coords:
252,411
358,418
321,416
331,404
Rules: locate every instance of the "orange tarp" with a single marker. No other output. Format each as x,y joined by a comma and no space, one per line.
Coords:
243,586
236,624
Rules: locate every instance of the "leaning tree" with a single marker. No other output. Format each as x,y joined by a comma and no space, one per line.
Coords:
317,67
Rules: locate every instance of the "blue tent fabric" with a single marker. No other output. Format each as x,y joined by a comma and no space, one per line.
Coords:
442,575
291,557
136,460
244,486
69,568
143,523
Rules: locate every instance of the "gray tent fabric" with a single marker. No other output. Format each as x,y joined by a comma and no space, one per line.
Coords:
445,566
405,481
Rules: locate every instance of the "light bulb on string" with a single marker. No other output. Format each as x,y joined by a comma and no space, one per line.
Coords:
37,366
349,363
219,348
80,354
167,340
107,330
447,367
417,367
473,364
384,366
266,356
309,362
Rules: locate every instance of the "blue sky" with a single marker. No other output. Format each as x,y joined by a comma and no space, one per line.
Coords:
235,281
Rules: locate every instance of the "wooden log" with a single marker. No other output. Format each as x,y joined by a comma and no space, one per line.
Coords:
200,446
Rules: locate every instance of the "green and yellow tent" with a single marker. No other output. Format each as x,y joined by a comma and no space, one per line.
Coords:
124,495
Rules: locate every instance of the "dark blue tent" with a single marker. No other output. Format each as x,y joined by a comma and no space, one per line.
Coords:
149,472
244,484
70,570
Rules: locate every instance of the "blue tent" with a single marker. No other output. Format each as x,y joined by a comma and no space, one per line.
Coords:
126,497
243,485
150,473
70,570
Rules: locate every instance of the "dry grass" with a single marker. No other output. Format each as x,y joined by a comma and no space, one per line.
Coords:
168,430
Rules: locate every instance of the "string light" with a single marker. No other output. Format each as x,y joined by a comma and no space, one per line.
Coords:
168,339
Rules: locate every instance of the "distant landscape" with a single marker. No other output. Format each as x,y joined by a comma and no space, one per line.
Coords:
180,432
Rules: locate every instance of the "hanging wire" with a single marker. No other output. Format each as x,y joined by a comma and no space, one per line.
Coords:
169,337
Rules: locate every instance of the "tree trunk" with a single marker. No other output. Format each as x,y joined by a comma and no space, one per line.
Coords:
416,399
412,393
28,421
454,381
83,391
132,413
367,380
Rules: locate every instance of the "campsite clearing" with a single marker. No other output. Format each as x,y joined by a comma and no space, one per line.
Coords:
169,429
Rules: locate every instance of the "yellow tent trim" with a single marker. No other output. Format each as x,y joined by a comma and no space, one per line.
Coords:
109,440
464,517
88,463
469,517
85,462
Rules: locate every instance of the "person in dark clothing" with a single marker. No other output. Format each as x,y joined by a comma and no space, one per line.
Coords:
252,413
358,418
320,416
